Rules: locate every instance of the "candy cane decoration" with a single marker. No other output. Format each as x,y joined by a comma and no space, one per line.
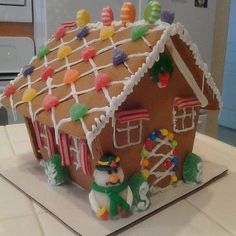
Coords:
107,16
84,158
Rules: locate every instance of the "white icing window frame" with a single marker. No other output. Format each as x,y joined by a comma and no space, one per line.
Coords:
74,151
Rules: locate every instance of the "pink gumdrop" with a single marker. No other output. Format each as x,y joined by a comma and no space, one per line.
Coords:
107,16
88,53
60,32
46,73
9,90
101,81
49,102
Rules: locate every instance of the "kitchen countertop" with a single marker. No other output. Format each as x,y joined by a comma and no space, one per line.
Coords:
210,211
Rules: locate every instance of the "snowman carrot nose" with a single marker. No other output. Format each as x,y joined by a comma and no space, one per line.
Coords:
114,179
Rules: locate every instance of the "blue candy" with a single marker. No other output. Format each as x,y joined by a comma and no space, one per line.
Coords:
167,16
158,134
27,70
82,32
153,137
174,160
119,56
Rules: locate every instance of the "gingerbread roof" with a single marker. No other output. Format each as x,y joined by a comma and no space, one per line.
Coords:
102,104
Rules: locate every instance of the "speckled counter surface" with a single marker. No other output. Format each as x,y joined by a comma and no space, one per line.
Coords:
211,211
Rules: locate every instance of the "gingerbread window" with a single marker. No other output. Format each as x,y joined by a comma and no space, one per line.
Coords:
127,127
185,112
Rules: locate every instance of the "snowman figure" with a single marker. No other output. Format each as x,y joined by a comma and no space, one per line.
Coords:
110,194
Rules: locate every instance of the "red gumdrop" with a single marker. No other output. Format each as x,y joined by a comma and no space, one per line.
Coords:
88,53
60,32
168,164
148,144
101,81
164,78
9,90
49,102
46,73
175,152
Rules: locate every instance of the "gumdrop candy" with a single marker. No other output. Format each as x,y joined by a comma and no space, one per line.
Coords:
170,136
107,32
78,111
82,33
148,144
174,178
9,90
60,32
49,102
144,152
101,81
71,76
43,51
63,51
145,174
168,164
82,17
152,12
88,53
119,56
164,79
128,12
138,32
174,143
145,163
175,160
28,70
167,16
46,73
107,16
164,132
29,94
153,136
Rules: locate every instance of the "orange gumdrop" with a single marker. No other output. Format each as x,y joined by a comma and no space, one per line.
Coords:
128,12
71,76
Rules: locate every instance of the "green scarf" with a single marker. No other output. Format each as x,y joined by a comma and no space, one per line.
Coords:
113,193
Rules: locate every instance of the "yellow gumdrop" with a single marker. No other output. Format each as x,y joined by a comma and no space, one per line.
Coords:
107,32
164,132
29,95
82,18
63,51
174,178
145,174
170,136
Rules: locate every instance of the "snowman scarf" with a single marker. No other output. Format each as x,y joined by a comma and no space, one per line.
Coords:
115,199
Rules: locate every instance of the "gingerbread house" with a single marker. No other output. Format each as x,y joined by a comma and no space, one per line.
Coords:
135,95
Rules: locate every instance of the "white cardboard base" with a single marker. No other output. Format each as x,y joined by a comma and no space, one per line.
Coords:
70,204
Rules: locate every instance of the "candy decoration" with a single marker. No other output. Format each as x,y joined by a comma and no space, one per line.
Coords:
102,80
29,94
168,164
46,73
152,12
63,51
60,32
64,146
88,53
164,132
148,144
174,178
153,136
175,152
192,169
27,70
50,134
9,90
174,143
78,111
71,76
145,163
141,191
106,32
49,102
69,24
56,173
167,16
82,18
145,152
84,158
170,136
128,12
124,116
138,32
107,16
145,173
43,51
82,33
119,56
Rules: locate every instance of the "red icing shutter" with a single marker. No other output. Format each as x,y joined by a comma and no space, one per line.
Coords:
37,134
84,157
51,141
187,102
132,115
64,144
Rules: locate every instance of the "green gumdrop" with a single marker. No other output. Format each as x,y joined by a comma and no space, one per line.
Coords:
192,169
57,174
174,143
152,12
43,51
138,32
78,111
141,191
164,64
144,152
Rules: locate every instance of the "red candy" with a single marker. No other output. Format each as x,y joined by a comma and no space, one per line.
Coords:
46,73
60,32
107,16
148,144
9,90
49,102
175,152
101,81
164,79
168,164
88,53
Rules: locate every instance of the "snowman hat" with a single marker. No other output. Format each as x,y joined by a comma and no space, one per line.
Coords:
108,162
